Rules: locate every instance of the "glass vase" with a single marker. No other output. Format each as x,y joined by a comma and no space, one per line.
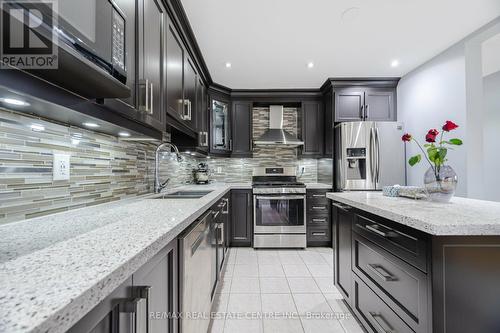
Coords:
440,187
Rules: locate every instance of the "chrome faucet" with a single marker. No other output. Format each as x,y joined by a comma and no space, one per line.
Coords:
158,185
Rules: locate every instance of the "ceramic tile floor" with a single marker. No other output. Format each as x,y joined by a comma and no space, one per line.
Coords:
280,291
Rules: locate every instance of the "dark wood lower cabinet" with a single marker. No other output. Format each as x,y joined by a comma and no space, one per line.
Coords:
241,218
398,279
146,301
318,222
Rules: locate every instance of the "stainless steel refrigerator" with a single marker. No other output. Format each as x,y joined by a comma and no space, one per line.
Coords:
369,155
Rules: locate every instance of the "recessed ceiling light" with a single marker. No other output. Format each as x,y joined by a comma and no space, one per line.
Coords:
228,65
37,127
124,134
310,64
90,125
13,101
395,63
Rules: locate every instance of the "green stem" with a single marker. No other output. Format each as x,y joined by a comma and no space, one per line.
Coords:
425,154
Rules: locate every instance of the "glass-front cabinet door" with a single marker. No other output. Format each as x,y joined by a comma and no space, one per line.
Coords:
221,140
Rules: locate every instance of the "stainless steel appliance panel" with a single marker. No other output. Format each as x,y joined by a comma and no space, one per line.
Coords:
196,266
279,241
391,154
279,214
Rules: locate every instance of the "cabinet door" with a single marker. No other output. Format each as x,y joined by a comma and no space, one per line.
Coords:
349,104
220,132
174,71
312,128
156,281
242,128
343,273
202,114
329,125
190,79
241,218
106,317
150,92
380,104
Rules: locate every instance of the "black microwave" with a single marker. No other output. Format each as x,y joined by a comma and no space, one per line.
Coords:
91,39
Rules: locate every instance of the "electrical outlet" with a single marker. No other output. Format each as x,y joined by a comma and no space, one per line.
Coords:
60,167
219,169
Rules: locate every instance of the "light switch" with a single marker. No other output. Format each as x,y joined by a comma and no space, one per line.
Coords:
60,168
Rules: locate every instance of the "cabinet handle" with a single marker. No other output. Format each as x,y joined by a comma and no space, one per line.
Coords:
226,206
150,110
319,195
379,324
206,139
230,144
145,293
343,207
319,220
319,207
319,233
132,315
215,214
373,228
143,86
366,111
381,272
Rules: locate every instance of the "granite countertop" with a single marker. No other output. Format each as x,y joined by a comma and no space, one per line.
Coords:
318,186
56,268
460,217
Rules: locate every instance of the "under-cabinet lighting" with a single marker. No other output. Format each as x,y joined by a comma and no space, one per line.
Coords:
90,125
124,134
37,127
13,101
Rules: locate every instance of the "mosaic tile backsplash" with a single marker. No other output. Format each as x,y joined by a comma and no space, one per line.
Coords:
105,168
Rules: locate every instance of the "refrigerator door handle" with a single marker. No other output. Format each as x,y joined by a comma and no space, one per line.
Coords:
377,143
372,155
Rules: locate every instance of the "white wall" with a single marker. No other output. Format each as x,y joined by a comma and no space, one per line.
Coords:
491,138
427,97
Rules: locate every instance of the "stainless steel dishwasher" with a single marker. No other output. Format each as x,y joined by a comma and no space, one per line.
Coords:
195,283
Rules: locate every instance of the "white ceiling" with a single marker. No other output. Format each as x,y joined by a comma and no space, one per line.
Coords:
270,42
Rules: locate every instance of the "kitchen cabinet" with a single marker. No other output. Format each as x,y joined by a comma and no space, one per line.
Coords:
312,128
190,82
175,72
202,115
241,119
329,125
342,221
131,307
220,127
365,104
318,218
241,218
150,83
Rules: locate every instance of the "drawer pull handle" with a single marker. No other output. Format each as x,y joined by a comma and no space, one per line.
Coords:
319,195
319,220
319,233
344,207
373,228
382,273
319,207
375,317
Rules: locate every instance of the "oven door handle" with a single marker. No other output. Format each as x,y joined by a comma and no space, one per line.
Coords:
288,197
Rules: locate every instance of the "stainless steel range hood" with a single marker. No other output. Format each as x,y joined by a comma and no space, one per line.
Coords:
276,135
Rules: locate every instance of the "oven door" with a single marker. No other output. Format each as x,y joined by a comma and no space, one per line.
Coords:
279,214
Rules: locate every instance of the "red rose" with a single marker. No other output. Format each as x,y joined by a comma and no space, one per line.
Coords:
433,132
407,137
449,126
431,135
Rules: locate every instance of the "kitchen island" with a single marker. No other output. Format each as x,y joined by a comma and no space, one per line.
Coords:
416,266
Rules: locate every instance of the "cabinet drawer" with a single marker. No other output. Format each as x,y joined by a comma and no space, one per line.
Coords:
318,208
319,220
317,196
405,243
374,312
401,285
319,234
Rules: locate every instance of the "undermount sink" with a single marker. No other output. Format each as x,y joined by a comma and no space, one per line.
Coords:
184,195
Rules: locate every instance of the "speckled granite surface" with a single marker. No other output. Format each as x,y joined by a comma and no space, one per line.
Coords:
56,268
460,217
318,186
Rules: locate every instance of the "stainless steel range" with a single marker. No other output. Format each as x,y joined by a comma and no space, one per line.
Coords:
279,208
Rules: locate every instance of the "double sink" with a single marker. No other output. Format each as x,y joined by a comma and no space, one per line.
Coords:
184,195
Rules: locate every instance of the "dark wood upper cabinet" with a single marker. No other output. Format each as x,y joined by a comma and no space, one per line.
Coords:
241,218
349,104
190,78
175,70
312,128
242,129
329,125
380,104
151,18
365,103
202,115
220,126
